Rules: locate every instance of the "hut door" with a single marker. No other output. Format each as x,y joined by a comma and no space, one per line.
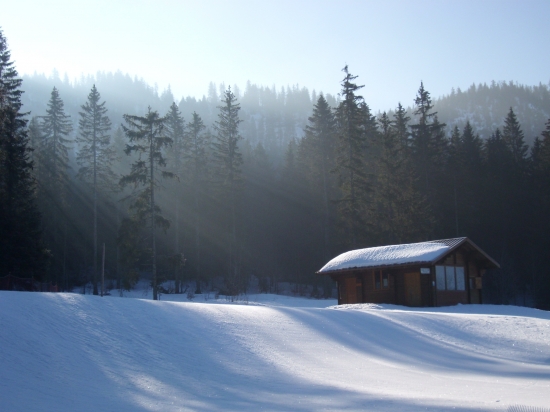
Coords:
359,290
351,290
413,296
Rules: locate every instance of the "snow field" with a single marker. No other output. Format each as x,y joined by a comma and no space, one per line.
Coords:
65,352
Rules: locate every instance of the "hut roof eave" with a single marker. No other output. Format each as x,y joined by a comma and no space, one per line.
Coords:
393,256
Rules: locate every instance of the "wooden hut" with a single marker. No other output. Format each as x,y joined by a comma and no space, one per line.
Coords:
435,273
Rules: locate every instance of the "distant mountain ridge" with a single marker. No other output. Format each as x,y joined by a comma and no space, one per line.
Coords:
486,106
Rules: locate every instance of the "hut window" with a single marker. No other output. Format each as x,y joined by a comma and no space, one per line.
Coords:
381,280
440,277
450,278
460,280
342,289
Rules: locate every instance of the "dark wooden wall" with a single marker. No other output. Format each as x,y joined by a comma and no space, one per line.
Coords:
358,286
382,295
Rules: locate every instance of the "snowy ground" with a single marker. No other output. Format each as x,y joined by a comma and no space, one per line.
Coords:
70,352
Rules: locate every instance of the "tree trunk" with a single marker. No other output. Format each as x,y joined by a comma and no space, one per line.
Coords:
326,212
177,248
197,247
154,246
95,212
197,225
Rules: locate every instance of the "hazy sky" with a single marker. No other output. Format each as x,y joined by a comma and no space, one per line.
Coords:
390,45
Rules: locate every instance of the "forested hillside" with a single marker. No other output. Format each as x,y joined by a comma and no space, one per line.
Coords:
484,107
269,182
270,115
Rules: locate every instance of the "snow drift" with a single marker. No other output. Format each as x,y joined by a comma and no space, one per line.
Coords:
67,352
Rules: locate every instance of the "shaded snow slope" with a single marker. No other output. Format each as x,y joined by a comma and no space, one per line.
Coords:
64,352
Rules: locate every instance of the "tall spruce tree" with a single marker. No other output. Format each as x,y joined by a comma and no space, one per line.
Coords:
429,153
56,128
294,213
465,169
96,157
540,221
10,83
470,168
21,251
147,139
318,152
35,138
541,164
401,213
400,126
259,230
197,167
53,180
424,135
518,195
228,162
497,212
453,170
175,130
514,138
350,161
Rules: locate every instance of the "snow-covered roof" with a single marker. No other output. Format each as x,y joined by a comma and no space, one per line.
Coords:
423,252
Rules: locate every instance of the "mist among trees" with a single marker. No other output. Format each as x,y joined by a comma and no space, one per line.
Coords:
264,184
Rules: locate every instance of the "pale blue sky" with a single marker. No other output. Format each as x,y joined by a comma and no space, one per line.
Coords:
390,45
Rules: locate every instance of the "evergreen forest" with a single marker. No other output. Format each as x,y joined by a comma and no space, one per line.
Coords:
105,174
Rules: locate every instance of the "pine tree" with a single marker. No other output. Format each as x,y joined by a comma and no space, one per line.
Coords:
21,250
22,253
400,126
465,165
514,138
175,130
10,83
35,138
541,158
260,228
96,158
453,165
56,126
424,135
497,161
294,216
401,214
147,139
540,221
54,148
228,163
350,160
197,160
318,152
497,212
387,189
53,181
429,148
372,152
